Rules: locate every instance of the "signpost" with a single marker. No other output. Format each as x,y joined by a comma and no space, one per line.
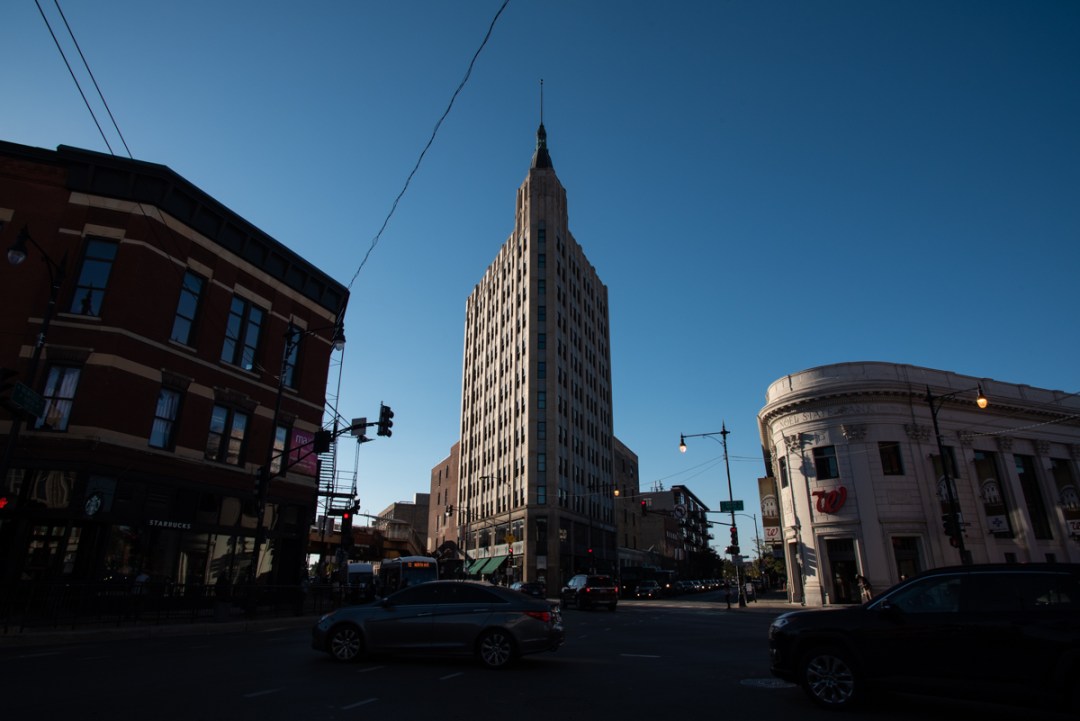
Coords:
730,506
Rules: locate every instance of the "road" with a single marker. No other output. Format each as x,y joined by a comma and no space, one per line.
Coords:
649,659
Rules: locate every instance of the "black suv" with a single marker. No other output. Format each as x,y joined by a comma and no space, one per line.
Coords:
1010,633
590,591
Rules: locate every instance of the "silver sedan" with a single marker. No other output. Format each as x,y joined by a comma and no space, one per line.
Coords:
458,618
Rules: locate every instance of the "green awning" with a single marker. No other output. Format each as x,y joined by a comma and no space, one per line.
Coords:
494,564
476,566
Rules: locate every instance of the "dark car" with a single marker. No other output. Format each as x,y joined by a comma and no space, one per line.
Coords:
1010,633
530,588
461,618
647,589
590,591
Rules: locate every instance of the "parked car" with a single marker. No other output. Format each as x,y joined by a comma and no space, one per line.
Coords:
681,587
494,624
1003,632
590,591
536,590
647,589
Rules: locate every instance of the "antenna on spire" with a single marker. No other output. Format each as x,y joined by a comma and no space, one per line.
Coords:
541,101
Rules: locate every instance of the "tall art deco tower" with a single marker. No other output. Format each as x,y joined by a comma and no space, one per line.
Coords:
535,492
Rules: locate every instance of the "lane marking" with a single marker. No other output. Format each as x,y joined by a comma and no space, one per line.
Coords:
267,692
359,703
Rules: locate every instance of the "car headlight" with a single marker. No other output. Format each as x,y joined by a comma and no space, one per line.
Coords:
779,623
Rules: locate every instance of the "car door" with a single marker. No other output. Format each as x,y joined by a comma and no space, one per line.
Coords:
913,634
463,611
402,621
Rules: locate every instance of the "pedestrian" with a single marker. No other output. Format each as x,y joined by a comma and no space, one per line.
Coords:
866,591
750,594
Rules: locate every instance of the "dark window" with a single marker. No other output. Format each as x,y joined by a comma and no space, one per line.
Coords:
541,399
59,396
242,334
168,405
225,443
541,341
1033,498
541,430
938,594
541,369
891,462
97,262
541,312
292,352
825,462
187,306
783,473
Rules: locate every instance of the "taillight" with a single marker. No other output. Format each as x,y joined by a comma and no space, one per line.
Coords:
544,616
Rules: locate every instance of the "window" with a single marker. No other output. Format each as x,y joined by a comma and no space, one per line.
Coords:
97,261
1033,498
541,462
541,341
281,439
59,395
541,312
891,462
783,473
292,352
186,308
242,334
541,496
541,399
825,462
541,430
541,369
225,442
168,404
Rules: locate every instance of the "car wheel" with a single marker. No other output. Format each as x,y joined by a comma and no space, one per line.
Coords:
495,648
345,644
829,678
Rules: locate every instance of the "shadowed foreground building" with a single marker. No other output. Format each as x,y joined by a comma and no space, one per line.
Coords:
161,376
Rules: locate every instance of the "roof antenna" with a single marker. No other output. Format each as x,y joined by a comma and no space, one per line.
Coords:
541,101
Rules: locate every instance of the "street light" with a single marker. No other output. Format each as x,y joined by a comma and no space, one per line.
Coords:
292,342
952,520
734,548
57,273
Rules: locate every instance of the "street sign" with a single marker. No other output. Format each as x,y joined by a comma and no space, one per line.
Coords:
729,506
25,397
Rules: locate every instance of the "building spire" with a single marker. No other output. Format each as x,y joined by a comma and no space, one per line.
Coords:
541,158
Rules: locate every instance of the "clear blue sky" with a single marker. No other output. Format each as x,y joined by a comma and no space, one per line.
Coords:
763,186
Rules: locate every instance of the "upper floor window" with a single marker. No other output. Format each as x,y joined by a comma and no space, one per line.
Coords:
168,406
242,333
97,262
225,442
59,396
292,352
281,447
891,462
186,308
825,462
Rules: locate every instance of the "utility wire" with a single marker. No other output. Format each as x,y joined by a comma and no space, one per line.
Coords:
431,140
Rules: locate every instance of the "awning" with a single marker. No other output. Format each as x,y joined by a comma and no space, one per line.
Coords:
494,563
476,566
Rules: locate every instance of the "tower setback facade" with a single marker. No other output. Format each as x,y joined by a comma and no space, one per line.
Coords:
536,492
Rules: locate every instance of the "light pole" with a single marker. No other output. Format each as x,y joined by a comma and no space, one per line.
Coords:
734,548
263,475
952,518
57,273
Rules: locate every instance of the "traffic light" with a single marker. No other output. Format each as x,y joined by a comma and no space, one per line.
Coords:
733,549
346,528
951,525
510,553
450,510
644,508
385,421
321,444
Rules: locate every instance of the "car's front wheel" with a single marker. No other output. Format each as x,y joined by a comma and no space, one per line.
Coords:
829,678
495,648
345,644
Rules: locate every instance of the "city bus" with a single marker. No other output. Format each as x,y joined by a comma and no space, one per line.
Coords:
395,574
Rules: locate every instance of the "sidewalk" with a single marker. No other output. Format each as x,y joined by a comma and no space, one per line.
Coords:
54,636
